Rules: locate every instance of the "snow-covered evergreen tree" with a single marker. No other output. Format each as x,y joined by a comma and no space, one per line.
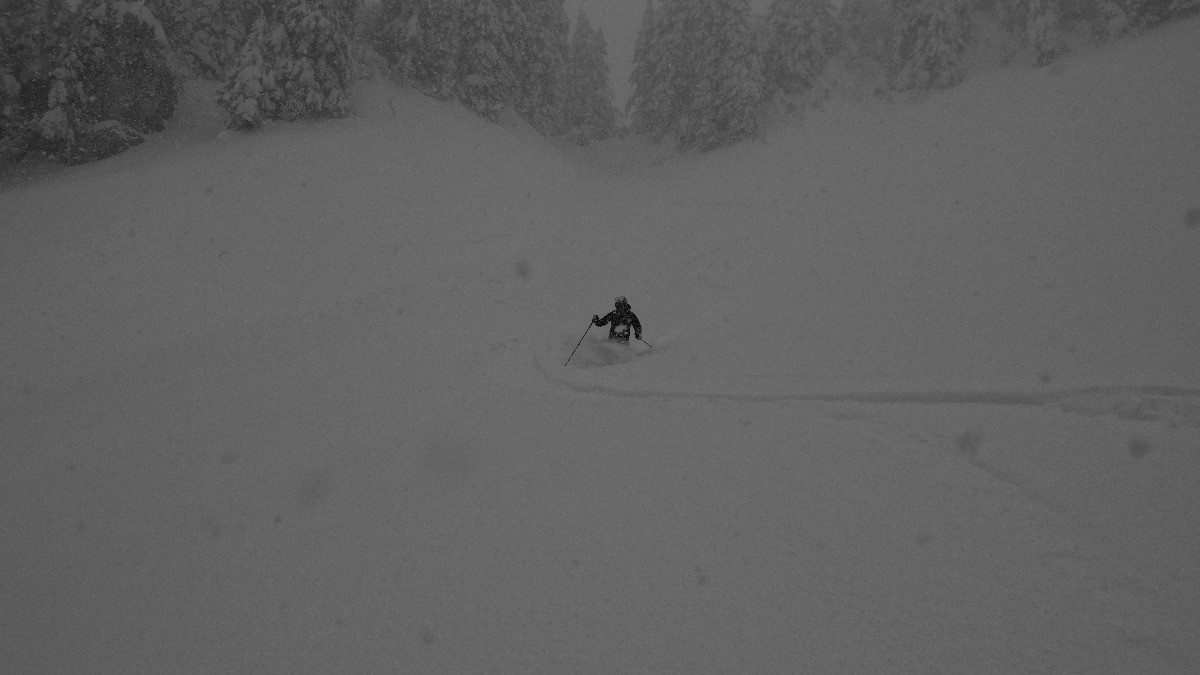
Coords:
1043,30
421,41
542,64
436,63
699,77
724,107
486,81
518,30
394,31
66,113
315,67
9,87
81,80
802,36
643,107
663,76
575,98
107,65
1038,23
29,41
669,75
206,33
1117,18
1114,18
588,109
866,29
293,64
252,92
13,120
490,54
928,42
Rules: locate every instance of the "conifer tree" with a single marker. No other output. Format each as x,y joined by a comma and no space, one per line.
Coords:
605,111
394,32
543,64
517,30
675,74
700,79
486,80
728,89
294,64
206,33
252,92
1116,18
66,112
1037,23
10,88
108,79
490,54
315,65
642,106
420,39
81,80
25,35
1043,31
928,40
802,36
436,63
588,109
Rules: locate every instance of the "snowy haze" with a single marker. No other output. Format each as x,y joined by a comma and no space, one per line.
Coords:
924,392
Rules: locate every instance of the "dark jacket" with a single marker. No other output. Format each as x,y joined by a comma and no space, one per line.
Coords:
621,318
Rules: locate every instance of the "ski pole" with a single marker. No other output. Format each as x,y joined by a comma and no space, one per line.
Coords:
578,343
646,343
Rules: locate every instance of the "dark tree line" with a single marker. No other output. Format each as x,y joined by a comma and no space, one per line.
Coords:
670,69
86,79
702,68
498,54
83,80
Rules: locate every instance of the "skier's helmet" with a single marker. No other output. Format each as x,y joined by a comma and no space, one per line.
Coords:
621,301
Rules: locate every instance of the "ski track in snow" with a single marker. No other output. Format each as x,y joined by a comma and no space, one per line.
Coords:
1153,403
1104,558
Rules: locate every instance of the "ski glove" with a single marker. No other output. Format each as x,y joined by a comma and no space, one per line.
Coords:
596,319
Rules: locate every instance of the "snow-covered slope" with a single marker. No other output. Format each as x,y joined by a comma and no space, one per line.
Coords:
922,396
1028,225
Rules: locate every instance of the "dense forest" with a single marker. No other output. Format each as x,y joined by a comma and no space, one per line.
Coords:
85,79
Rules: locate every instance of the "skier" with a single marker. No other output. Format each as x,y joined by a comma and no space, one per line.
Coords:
622,317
